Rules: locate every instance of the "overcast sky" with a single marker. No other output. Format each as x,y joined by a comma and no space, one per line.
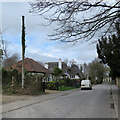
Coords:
38,45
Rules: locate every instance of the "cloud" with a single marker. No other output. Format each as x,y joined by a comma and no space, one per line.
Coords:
38,45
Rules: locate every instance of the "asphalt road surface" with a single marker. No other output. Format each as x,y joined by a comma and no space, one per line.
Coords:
80,104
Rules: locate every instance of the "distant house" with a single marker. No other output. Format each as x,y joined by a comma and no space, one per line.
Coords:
72,72
30,66
106,77
60,64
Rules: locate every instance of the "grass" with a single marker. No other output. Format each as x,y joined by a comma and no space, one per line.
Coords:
64,88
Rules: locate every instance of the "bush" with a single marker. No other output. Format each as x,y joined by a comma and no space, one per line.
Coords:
66,82
61,82
64,88
6,77
92,81
32,85
52,85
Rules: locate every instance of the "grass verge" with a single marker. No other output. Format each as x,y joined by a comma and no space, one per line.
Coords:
64,88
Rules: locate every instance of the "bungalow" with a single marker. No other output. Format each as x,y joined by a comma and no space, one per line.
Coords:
30,66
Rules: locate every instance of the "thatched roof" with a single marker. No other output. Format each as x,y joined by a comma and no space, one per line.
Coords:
74,70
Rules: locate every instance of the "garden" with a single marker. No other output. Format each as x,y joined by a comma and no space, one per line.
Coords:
63,84
11,83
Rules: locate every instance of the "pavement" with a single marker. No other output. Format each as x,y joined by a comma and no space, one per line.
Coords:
68,104
13,98
116,101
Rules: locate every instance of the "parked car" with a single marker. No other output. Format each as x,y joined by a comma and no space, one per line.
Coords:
86,84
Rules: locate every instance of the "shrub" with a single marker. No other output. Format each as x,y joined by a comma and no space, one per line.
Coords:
14,72
51,85
58,72
61,82
6,77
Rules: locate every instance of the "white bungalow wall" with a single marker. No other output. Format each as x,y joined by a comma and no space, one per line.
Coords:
74,77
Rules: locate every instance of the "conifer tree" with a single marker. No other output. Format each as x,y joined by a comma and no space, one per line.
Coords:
108,49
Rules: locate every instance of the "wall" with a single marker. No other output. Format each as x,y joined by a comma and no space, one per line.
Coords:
107,79
74,77
118,81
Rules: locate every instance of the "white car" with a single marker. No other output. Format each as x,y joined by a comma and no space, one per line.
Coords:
86,84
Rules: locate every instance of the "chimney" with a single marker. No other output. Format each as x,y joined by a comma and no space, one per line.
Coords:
60,63
46,65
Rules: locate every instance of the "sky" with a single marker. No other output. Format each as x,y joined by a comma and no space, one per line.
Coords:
38,45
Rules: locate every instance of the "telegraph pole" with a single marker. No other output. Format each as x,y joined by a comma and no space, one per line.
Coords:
23,50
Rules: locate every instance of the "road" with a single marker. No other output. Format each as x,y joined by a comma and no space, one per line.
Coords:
80,104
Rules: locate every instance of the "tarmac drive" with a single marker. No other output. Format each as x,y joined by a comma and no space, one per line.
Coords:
79,104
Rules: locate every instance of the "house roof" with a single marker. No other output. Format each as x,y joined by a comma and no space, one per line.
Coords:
74,70
52,65
30,66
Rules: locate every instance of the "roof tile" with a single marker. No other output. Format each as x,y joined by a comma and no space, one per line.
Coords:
30,66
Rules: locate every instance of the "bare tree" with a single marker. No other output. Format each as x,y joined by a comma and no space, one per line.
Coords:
66,60
85,70
11,60
72,62
96,71
78,20
41,63
3,46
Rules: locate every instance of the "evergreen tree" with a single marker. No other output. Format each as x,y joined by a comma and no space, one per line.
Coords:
108,49
58,72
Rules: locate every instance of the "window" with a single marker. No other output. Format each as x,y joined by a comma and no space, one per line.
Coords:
72,76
